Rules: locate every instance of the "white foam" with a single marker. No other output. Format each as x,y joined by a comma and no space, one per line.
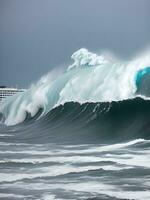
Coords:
6,195
111,190
69,149
45,172
89,189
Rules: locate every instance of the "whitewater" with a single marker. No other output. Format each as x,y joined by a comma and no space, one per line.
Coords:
81,133
91,78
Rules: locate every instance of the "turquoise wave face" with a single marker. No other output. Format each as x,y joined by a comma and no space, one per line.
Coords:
140,75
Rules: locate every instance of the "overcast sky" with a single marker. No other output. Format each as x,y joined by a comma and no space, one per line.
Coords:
38,35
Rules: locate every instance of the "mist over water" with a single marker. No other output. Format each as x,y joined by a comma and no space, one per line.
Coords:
82,134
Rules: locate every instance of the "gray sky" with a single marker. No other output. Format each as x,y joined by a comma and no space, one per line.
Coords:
38,35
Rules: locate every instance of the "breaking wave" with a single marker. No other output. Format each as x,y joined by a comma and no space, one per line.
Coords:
80,134
91,78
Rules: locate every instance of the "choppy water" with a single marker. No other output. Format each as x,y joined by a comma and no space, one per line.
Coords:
51,171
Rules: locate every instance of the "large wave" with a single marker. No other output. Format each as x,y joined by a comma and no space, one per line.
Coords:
91,78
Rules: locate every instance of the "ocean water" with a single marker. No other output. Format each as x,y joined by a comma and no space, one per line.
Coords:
79,134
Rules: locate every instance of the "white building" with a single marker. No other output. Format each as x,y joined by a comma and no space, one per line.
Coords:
6,92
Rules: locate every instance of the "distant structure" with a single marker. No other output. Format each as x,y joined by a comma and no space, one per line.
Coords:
6,92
